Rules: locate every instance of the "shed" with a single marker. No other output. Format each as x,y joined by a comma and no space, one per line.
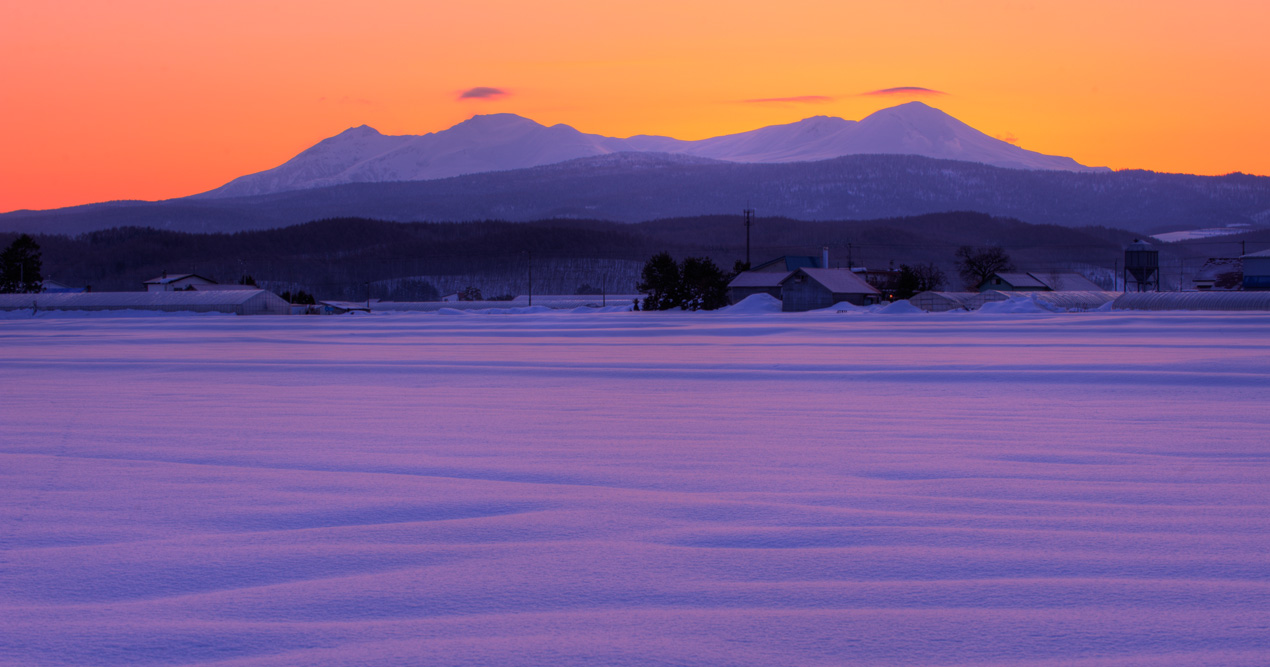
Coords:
1219,273
1256,268
254,302
811,289
176,281
748,283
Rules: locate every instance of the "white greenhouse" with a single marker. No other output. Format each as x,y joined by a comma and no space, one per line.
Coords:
237,302
1193,301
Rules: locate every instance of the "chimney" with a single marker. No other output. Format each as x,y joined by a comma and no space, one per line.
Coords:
824,257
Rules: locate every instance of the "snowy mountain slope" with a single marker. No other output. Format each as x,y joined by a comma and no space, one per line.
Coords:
501,142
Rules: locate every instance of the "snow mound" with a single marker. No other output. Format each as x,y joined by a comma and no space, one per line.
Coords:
755,304
903,307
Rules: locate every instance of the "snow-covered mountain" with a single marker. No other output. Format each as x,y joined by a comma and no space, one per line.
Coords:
500,142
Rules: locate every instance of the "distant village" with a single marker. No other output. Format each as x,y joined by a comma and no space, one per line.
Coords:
799,282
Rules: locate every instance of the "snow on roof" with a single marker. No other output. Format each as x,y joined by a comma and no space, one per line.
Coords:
788,263
1066,282
127,299
837,281
164,280
1020,280
217,287
1263,253
759,279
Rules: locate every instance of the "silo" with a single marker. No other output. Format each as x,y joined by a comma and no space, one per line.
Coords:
1142,265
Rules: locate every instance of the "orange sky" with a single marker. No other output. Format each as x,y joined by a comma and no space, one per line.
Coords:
140,99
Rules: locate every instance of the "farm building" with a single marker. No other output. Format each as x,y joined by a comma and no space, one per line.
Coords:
238,302
1257,270
1038,282
938,302
811,289
176,281
791,263
1219,273
749,283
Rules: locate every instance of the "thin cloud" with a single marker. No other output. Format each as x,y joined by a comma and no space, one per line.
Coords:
1007,137
482,93
801,99
904,90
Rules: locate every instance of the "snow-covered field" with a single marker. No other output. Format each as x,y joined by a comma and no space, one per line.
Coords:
636,489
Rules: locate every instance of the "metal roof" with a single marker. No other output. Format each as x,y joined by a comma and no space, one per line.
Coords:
1066,282
1019,279
164,280
789,263
758,279
837,281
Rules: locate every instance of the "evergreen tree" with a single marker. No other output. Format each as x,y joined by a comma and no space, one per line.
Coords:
703,285
660,280
20,266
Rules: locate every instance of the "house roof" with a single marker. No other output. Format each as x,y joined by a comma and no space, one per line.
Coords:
837,281
1019,279
1263,253
1067,282
758,279
789,263
1058,282
214,287
167,279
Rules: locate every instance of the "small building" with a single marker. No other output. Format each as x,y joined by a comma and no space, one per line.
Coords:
1219,273
812,289
1256,267
251,302
176,282
1038,281
749,283
50,286
452,297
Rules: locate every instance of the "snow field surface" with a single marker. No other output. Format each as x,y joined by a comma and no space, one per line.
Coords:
636,489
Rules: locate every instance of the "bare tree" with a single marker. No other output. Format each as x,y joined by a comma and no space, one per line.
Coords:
978,264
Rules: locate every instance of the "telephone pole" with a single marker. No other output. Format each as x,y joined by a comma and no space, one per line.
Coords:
749,222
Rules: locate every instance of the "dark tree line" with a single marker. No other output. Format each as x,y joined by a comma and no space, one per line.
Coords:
694,284
20,265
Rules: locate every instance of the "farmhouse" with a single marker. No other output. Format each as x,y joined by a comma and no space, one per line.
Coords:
810,289
176,281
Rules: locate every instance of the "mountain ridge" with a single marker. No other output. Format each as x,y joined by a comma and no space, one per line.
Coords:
633,187
505,141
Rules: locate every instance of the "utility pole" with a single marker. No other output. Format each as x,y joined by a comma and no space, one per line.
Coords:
368,296
1243,248
530,263
749,222
850,262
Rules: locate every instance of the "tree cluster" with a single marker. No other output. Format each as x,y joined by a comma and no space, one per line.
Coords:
694,284
20,265
918,278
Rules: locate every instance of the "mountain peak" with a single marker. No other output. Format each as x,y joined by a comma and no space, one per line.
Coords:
497,121
360,131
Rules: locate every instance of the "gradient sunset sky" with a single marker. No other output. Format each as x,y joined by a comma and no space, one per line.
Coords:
134,99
